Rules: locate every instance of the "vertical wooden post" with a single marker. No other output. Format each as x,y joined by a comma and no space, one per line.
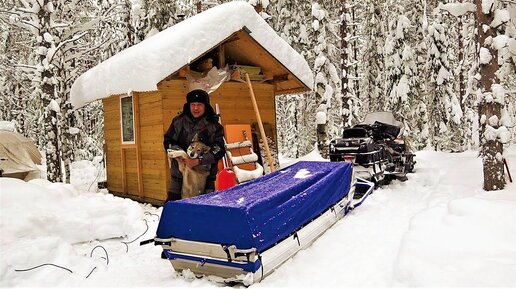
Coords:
137,143
260,124
222,56
124,178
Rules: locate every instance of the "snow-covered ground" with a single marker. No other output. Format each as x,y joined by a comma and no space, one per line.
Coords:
437,229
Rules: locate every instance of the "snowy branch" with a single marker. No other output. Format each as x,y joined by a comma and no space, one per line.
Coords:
6,21
349,64
60,25
349,6
26,66
79,55
107,12
9,12
458,9
25,22
353,38
63,43
14,102
26,11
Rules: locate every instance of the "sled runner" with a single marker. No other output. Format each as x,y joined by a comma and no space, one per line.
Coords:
242,234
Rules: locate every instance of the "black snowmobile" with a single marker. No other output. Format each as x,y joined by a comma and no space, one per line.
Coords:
376,148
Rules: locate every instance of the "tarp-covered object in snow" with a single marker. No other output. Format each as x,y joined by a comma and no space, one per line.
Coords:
235,228
18,154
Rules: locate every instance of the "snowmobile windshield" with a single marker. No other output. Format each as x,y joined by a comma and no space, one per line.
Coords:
384,117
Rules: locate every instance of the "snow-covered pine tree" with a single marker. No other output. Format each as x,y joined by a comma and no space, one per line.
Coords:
13,84
373,57
148,17
260,6
399,69
349,64
345,19
6,70
37,17
15,106
491,17
291,19
327,79
416,11
86,125
163,14
445,113
307,104
287,118
76,23
460,69
468,67
117,32
16,67
287,126
505,44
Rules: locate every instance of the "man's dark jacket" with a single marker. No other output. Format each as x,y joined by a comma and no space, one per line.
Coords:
180,134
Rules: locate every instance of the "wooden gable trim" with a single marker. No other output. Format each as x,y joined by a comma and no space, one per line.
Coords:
275,59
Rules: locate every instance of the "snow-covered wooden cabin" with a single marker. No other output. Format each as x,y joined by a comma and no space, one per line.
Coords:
143,87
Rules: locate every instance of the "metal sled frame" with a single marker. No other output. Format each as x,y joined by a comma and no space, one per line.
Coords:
246,265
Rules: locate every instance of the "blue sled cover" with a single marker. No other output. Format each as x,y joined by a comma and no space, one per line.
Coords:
259,213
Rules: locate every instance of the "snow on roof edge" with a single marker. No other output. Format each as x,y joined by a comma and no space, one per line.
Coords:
142,66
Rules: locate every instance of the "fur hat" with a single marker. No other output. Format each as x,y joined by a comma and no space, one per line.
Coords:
198,95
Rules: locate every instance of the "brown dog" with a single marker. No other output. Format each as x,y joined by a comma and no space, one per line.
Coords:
194,179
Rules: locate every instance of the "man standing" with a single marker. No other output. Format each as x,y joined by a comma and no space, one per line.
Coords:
198,118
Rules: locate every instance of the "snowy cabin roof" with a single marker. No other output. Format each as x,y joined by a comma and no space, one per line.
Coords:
142,66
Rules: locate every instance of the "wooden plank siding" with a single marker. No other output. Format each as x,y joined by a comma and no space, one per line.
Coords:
139,170
154,163
112,138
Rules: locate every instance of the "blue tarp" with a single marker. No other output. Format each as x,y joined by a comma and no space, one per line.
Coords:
261,212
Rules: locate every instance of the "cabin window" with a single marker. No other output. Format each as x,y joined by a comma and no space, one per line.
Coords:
127,119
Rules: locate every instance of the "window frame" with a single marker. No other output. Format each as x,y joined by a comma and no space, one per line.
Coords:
124,125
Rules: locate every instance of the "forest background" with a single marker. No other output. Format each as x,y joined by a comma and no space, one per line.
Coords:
444,70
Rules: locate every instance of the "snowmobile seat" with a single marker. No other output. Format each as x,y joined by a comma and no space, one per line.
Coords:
355,132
